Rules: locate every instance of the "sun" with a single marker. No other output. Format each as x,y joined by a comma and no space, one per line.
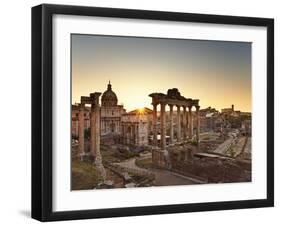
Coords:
141,110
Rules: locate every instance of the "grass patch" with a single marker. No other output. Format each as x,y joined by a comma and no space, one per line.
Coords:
84,175
194,143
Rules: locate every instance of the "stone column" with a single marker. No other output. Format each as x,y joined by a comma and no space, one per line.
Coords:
93,138
95,133
184,123
132,134
127,134
76,133
154,122
178,123
124,133
136,135
190,122
171,124
197,124
81,150
187,124
163,127
95,130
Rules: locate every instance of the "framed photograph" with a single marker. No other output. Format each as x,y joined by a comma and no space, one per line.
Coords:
145,112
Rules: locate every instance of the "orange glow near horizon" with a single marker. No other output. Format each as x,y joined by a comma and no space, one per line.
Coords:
137,97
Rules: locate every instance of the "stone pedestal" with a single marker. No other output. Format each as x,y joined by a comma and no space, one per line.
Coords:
160,158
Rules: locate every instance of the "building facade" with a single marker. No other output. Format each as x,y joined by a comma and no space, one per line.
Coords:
132,128
209,118
111,114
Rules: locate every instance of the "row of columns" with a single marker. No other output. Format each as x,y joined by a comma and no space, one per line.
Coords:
187,124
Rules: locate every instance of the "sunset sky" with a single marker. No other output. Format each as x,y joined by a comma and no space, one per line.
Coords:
218,73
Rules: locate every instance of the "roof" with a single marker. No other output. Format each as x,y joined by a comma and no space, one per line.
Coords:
109,98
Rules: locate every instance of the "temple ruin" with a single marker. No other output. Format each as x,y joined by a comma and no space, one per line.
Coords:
173,98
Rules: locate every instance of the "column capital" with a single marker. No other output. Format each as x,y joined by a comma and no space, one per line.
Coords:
154,104
197,108
189,108
95,98
95,95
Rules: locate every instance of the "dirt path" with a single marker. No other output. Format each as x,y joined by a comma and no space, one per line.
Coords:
162,177
222,148
131,164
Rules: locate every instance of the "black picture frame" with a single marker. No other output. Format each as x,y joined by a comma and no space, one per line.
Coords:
42,111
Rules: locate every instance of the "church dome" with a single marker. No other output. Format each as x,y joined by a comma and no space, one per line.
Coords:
109,98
